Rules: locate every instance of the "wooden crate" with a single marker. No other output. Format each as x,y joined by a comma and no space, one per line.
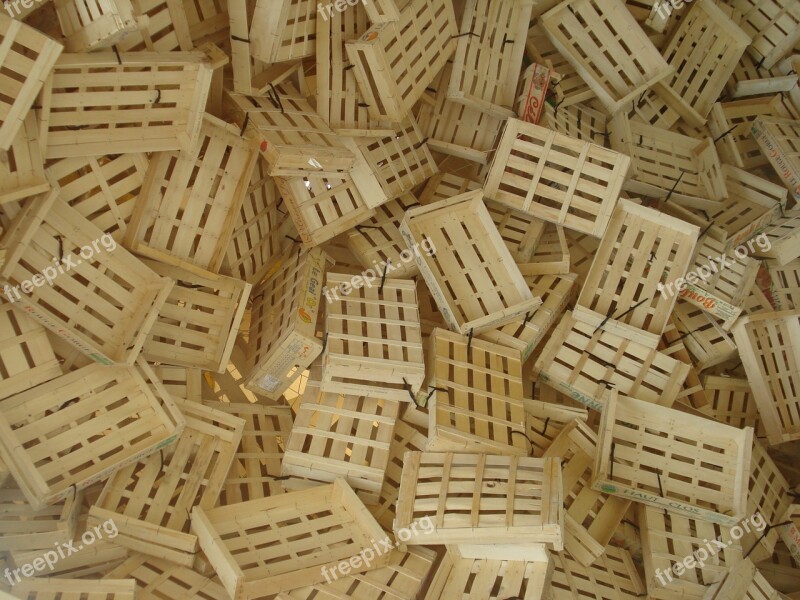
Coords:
165,28
783,235
93,561
315,528
92,25
81,117
790,533
684,464
190,200
705,339
612,577
283,323
590,517
742,582
395,61
339,435
769,347
458,577
485,72
768,495
779,140
555,177
402,579
26,64
292,137
471,273
21,165
477,397
444,185
774,27
103,189
157,578
373,339
578,121
668,538
704,50
583,361
785,285
590,34
730,401
198,323
582,249
41,588
481,499
667,163
149,501
384,11
548,415
25,528
750,79
551,254
50,464
184,383
104,304
284,30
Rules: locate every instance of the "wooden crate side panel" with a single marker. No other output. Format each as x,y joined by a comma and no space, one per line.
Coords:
76,589
286,30
154,577
22,166
612,577
778,140
24,528
90,24
774,27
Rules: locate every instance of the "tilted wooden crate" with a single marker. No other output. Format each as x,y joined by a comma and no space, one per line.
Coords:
769,346
784,284
692,393
742,582
750,79
283,323
555,177
395,61
731,401
577,120
779,140
103,303
165,29
26,65
149,501
156,578
444,185
477,397
184,383
608,49
25,528
374,339
481,499
704,50
283,30
612,577
590,517
89,25
21,165
774,27
705,339
94,103
471,273
316,528
664,458
548,414
782,236
41,588
79,428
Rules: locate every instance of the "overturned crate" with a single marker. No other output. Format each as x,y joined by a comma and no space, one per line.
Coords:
25,528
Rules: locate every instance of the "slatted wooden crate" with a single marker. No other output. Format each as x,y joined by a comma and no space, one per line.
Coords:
665,162
395,61
384,11
790,532
471,273
477,397
291,135
157,578
373,339
198,323
769,347
26,64
92,103
607,48
704,50
551,255
24,528
774,27
668,538
458,577
785,285
190,200
75,589
672,345
731,401
584,360
340,435
165,29
21,165
184,383
612,577
89,25
481,499
783,235
284,30
704,337
555,177
778,140
228,386
577,120
742,582
444,185
70,432
122,295
283,323
590,517
485,72
750,79
548,415
663,458
315,528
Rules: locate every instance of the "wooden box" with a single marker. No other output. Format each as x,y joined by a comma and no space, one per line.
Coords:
78,429
283,322
730,401
774,26
779,140
165,28
577,121
607,48
551,254
556,178
661,457
184,383
548,415
41,588
395,61
471,273
103,302
612,577
477,397
25,528
704,338
21,165
782,237
749,78
284,30
521,232
742,582
444,185
156,578
198,323
512,501
89,25
590,517
315,528
374,340
26,64
785,285
94,104
93,561
769,346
